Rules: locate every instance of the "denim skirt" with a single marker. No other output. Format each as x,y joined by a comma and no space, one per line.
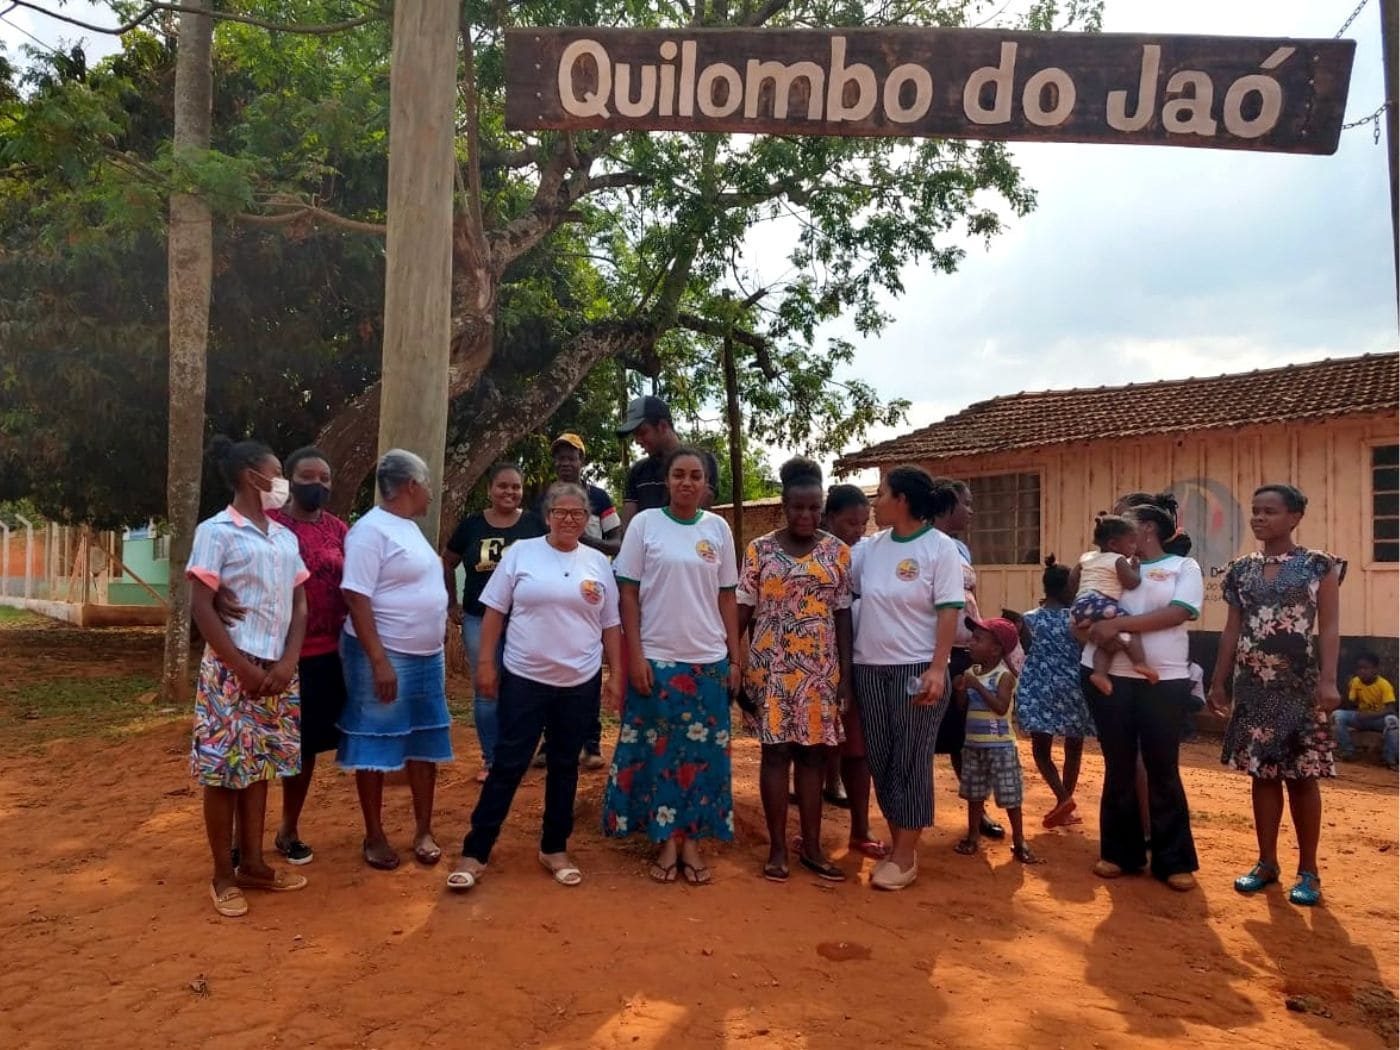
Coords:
414,725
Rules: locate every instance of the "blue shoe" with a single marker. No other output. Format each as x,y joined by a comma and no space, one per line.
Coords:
1308,890
1259,876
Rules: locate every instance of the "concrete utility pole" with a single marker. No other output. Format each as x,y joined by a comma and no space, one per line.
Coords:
418,251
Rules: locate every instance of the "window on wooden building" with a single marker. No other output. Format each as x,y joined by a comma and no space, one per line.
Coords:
1385,503
1005,519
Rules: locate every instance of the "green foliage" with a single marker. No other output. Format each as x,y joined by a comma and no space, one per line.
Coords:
86,171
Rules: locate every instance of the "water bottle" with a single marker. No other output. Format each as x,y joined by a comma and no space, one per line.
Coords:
915,685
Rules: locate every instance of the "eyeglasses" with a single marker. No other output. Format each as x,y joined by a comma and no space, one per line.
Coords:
565,514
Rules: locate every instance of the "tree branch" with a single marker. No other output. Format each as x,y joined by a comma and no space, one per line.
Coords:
318,217
154,7
767,11
475,230
757,343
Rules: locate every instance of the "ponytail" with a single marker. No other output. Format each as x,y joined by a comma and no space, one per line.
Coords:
926,498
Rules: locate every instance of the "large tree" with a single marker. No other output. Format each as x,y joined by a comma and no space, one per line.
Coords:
570,251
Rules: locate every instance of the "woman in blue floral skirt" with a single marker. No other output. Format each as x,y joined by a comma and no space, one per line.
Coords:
676,577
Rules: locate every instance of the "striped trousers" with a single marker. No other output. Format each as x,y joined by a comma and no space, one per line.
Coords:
899,741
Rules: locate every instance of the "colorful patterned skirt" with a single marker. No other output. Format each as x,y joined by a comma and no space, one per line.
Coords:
240,739
414,726
670,773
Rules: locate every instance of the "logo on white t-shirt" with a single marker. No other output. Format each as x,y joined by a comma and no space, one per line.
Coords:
907,570
1158,574
591,590
707,551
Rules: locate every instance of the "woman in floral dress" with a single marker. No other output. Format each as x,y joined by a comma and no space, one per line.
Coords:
676,575
1049,700
1285,683
795,593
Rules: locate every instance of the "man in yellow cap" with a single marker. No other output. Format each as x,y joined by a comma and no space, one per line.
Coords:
604,531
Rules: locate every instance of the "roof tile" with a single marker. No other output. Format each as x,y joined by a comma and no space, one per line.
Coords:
1314,390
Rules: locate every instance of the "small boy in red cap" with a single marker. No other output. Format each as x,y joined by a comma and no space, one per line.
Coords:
991,764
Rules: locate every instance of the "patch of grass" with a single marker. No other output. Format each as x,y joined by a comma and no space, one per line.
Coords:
17,617
33,712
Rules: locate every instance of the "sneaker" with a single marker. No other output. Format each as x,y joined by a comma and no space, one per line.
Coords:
593,760
1182,881
296,851
1106,869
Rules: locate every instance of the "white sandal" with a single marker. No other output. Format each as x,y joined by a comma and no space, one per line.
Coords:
461,881
566,875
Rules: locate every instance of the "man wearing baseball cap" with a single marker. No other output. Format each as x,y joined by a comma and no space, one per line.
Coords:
604,529
648,420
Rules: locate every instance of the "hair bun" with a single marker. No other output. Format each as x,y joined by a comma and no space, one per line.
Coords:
799,471
220,445
1049,561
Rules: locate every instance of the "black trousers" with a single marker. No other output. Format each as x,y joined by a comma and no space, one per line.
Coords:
527,709
1145,719
593,740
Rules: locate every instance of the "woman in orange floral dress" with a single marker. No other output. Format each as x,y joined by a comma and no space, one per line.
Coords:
795,595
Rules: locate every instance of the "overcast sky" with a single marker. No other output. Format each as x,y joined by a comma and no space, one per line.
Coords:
1140,262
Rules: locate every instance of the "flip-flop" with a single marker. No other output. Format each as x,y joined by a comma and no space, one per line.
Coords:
775,872
695,875
281,882
427,857
379,865
231,904
823,869
872,848
566,875
663,872
966,847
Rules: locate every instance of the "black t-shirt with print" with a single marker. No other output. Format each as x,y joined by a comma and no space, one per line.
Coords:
646,482
480,545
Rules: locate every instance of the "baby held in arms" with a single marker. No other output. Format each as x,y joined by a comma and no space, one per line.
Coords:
1099,580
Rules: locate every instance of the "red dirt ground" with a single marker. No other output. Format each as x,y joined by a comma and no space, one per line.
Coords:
110,940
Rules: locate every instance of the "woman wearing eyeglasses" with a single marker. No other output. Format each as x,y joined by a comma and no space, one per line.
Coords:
562,602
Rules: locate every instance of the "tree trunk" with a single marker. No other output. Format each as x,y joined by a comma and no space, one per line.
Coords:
735,422
350,439
191,264
503,419
414,383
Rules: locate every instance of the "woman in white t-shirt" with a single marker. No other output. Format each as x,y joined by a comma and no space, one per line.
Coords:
562,602
1143,718
395,713
910,581
676,576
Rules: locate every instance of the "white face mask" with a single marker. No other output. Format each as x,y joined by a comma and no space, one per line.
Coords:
276,497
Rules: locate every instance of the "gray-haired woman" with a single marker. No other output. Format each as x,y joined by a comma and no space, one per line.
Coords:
392,650
562,602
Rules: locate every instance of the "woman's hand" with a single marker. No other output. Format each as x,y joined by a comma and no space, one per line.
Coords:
226,605
735,681
931,685
612,693
386,682
1103,632
487,681
1328,696
279,676
454,613
639,671
1217,701
845,695
252,678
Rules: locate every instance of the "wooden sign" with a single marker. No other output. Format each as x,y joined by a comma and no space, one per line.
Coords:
1218,92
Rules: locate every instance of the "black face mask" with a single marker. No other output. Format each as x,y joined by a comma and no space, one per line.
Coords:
310,495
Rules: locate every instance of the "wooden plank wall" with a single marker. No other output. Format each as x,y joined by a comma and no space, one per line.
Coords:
1213,474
